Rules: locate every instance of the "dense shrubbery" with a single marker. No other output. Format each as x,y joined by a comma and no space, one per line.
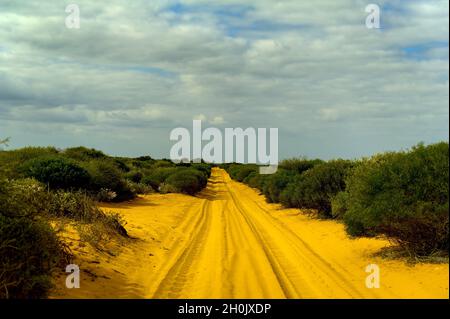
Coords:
316,187
29,251
188,181
22,198
299,165
29,248
158,176
57,172
83,154
11,161
105,175
403,196
298,183
275,184
135,176
202,167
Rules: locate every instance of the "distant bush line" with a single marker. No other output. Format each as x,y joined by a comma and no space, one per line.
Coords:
103,177
403,196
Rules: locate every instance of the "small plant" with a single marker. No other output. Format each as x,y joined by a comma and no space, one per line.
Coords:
105,195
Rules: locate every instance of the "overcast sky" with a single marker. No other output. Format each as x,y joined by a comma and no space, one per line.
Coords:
137,69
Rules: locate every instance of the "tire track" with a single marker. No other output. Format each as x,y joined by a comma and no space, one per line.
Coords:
177,276
324,273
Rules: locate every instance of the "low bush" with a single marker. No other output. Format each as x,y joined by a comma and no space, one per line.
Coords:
403,196
162,163
256,180
244,171
299,165
158,176
57,172
287,195
315,188
274,184
23,198
105,176
83,154
202,167
134,176
29,251
29,248
188,181
140,188
339,205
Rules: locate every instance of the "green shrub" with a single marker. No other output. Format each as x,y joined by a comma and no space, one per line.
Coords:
314,188
339,205
403,196
256,180
249,177
134,176
106,176
120,164
105,195
169,188
80,207
158,176
188,181
57,172
140,188
11,161
203,167
286,197
299,165
162,163
83,154
73,205
22,198
29,251
144,162
234,169
276,183
244,171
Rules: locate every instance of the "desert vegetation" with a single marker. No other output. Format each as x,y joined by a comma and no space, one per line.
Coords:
402,196
41,187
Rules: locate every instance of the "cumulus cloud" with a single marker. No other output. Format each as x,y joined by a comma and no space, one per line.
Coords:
135,71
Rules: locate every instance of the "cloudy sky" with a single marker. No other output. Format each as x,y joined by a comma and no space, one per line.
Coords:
137,69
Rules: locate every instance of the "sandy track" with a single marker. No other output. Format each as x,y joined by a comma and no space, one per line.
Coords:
229,243
237,249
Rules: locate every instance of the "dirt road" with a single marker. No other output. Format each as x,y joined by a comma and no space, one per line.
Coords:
229,243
